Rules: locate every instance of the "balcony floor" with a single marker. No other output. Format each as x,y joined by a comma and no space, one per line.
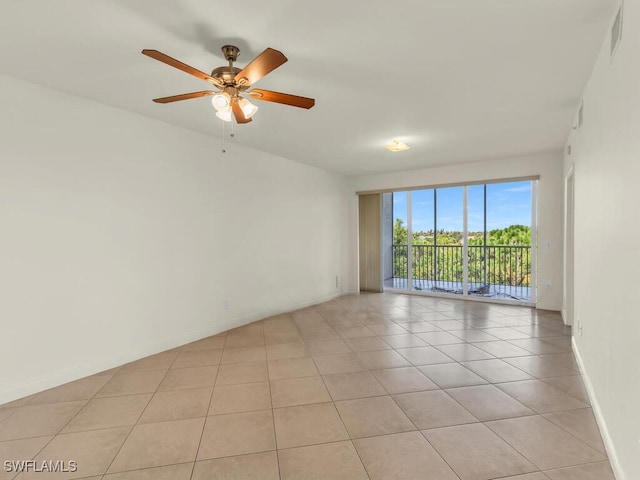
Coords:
498,292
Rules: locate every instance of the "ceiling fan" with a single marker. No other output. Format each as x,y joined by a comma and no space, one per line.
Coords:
232,81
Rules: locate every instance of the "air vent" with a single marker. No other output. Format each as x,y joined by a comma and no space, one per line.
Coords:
616,31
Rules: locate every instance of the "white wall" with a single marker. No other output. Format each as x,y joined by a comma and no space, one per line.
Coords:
606,154
548,166
122,236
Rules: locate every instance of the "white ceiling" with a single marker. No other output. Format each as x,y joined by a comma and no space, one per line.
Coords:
459,80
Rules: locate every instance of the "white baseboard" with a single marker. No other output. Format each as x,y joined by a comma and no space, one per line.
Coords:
120,358
602,424
350,292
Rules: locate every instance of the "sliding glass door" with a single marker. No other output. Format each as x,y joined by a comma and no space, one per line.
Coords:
500,248
473,240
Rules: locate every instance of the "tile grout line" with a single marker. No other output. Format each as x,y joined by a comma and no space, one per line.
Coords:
54,436
273,416
531,461
333,402
490,383
141,413
400,408
422,434
204,424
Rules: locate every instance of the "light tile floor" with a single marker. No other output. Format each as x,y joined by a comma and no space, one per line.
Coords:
373,386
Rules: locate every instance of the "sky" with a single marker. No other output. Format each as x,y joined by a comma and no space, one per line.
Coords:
507,204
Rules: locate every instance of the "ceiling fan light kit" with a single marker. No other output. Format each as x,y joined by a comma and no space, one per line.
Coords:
232,81
248,108
221,101
224,115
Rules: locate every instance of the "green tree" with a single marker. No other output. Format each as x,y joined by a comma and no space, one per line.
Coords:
400,247
512,235
503,261
399,232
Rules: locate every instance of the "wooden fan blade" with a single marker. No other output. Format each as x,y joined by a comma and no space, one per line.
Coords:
264,63
161,57
184,96
238,113
285,98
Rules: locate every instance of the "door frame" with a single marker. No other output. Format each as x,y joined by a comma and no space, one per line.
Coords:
568,302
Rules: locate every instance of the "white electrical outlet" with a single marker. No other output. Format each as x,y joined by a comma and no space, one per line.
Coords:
337,281
226,305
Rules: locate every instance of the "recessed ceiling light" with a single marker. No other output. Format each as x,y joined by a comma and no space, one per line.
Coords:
397,146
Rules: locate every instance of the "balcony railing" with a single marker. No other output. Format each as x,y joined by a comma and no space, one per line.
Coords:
494,270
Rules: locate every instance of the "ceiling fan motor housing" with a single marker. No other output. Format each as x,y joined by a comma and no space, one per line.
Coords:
225,74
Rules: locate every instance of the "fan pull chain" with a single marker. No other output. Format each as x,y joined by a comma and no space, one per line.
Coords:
223,150
232,135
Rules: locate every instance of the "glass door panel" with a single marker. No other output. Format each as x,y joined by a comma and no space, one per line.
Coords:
508,221
449,228
399,255
476,241
422,238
